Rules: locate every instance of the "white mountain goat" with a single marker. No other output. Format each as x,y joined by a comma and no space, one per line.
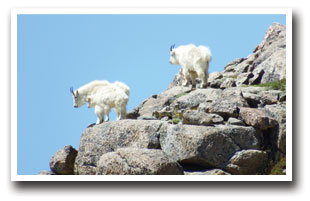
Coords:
103,95
194,61
107,98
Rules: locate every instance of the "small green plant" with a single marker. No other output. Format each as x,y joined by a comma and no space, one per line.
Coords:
278,168
176,120
277,85
172,99
181,94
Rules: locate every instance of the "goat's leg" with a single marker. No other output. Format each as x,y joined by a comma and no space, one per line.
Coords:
107,112
100,114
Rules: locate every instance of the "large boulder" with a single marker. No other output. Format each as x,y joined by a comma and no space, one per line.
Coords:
247,162
193,99
63,160
109,136
278,112
135,161
205,145
257,118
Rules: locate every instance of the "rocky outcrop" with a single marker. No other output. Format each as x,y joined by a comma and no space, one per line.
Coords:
110,136
63,160
228,128
266,64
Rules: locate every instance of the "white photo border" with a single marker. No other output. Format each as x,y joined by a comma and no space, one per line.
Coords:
289,165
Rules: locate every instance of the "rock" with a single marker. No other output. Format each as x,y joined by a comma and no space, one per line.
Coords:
227,105
231,66
234,121
253,100
251,89
63,160
276,32
163,113
133,114
135,161
208,172
228,82
270,97
195,117
46,172
179,80
246,137
193,99
243,78
271,54
225,109
162,100
235,96
216,83
278,112
232,75
247,162
257,76
146,118
214,76
109,136
204,145
256,118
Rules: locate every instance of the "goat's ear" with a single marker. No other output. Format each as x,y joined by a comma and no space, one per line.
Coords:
77,92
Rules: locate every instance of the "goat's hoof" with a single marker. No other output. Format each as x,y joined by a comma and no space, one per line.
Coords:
91,125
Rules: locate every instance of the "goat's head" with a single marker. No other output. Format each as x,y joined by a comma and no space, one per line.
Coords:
173,59
77,102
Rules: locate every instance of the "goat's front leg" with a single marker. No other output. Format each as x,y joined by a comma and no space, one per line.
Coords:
100,114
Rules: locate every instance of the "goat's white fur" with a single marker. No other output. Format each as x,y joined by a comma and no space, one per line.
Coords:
107,98
194,61
103,96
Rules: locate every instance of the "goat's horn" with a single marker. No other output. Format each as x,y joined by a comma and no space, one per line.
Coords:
172,47
71,90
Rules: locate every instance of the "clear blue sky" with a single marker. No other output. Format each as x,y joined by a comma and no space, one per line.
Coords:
56,52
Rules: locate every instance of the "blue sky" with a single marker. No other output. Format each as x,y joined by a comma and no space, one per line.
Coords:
55,52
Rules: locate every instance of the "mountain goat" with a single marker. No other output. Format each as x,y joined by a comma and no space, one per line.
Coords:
107,98
194,62
103,95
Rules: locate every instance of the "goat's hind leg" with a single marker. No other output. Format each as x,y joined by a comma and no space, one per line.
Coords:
107,112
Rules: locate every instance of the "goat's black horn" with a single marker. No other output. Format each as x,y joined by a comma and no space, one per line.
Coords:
172,47
71,90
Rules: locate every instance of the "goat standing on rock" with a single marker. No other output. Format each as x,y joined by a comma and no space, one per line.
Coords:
194,61
103,96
